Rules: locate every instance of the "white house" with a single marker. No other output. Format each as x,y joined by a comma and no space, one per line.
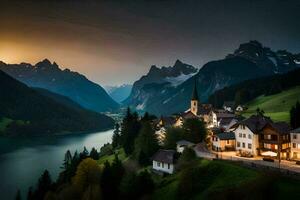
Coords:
295,144
228,106
182,144
247,134
239,108
163,161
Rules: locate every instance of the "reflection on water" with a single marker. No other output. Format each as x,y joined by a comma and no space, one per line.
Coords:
22,160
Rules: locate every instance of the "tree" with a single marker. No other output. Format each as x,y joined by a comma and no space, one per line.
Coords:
44,185
111,178
260,112
94,154
188,156
129,131
195,130
295,115
18,195
116,136
146,143
173,135
30,194
84,154
88,173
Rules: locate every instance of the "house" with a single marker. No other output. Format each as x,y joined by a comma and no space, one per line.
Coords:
229,106
227,123
161,126
164,161
295,144
223,141
239,108
216,116
182,144
247,134
275,138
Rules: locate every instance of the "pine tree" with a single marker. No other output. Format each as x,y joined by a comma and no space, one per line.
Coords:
116,136
146,144
18,195
94,154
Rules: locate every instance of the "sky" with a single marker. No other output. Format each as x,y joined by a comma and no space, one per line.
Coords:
114,42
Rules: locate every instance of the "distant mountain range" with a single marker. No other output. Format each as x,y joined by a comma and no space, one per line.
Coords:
49,76
168,90
119,93
35,111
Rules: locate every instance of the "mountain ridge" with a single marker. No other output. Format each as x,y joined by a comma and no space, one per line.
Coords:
74,85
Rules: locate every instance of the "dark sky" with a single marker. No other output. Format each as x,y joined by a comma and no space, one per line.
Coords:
113,42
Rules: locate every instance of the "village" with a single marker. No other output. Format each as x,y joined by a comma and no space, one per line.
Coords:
256,140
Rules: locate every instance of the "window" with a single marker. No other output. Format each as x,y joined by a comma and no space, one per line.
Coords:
243,127
168,166
194,103
249,146
227,141
244,135
238,144
249,136
158,164
244,145
240,134
295,136
294,145
163,165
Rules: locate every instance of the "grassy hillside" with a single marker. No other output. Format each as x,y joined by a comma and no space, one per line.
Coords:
275,106
225,180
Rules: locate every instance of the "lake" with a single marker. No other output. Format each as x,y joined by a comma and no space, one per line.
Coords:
22,160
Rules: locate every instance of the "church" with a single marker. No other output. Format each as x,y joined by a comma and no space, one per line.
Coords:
197,109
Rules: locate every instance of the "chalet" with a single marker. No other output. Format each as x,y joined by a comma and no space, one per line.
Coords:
223,141
295,144
229,106
247,134
164,161
182,144
275,137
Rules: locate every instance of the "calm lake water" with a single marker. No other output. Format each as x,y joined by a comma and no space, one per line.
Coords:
22,160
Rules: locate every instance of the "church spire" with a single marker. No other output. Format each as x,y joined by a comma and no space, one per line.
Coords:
195,93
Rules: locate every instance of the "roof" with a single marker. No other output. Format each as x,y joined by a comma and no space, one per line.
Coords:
225,115
168,121
184,142
189,115
195,93
165,156
280,127
255,123
226,136
297,130
226,121
229,104
204,109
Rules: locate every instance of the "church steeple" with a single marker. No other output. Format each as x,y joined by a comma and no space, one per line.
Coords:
195,93
195,100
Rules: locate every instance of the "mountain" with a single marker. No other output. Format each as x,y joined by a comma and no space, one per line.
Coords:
49,76
248,90
158,80
119,93
251,60
34,113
